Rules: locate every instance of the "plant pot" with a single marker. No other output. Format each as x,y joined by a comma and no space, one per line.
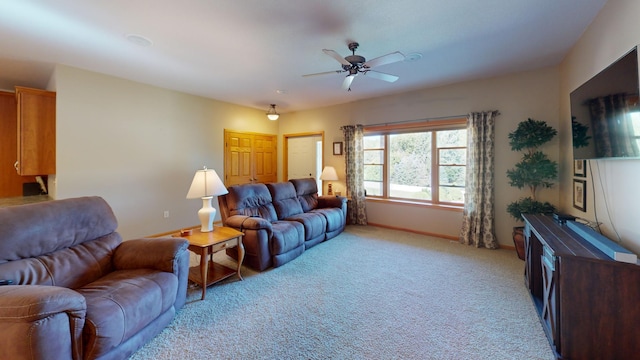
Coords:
518,241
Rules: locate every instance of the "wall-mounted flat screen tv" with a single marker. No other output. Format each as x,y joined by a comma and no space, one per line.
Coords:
605,114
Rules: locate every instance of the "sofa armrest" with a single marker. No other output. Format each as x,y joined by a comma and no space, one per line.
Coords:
248,223
40,321
167,254
157,253
326,201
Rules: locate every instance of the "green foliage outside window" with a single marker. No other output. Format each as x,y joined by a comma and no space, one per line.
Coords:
410,164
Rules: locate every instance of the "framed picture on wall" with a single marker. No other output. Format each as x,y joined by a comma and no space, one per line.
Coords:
580,168
337,148
580,194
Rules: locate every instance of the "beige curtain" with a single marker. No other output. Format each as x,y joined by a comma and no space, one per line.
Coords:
354,166
478,216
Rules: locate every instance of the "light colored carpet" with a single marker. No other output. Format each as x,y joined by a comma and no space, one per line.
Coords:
370,293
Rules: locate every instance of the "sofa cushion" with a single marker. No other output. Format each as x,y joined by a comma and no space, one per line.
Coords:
121,304
72,268
287,206
307,192
285,200
287,236
251,200
65,222
335,218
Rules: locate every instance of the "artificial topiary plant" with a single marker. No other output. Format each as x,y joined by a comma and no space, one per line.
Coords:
535,170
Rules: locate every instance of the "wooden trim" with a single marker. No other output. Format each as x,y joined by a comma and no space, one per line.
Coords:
441,236
249,132
416,125
447,207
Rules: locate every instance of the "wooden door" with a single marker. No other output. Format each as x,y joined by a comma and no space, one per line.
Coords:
237,158
302,157
266,158
249,158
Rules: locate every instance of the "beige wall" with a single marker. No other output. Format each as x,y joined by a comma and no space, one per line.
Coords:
138,146
613,188
517,97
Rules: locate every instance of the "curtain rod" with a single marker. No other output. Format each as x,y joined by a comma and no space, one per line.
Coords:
425,119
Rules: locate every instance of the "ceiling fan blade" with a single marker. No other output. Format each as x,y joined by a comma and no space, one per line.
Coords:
324,73
384,60
336,56
381,76
346,84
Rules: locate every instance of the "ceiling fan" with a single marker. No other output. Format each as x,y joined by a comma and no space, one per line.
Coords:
356,64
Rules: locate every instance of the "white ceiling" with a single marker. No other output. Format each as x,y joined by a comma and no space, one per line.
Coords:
244,51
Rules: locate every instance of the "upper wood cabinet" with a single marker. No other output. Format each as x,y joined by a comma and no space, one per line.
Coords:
36,114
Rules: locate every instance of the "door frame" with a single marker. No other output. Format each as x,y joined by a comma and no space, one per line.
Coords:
285,149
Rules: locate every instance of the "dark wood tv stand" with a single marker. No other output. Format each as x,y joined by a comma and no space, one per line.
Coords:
589,304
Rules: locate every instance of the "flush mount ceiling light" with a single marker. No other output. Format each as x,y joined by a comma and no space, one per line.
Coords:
413,57
139,40
272,114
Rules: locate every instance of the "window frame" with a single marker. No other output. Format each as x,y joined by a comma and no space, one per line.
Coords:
422,126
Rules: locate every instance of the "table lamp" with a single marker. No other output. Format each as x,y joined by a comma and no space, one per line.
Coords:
329,173
205,185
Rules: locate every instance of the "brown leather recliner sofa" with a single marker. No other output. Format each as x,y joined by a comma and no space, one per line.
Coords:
281,220
79,291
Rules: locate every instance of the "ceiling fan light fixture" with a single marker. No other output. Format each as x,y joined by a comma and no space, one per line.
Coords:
272,114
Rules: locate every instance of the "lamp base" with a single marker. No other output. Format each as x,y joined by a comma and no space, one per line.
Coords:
329,191
206,214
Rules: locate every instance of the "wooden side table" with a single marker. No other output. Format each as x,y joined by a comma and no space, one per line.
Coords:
208,243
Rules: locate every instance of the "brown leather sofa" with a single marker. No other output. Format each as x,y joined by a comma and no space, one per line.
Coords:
281,220
79,291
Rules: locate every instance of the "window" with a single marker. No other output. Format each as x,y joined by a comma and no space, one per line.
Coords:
423,162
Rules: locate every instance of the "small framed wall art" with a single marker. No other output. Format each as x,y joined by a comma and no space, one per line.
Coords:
580,195
580,168
337,148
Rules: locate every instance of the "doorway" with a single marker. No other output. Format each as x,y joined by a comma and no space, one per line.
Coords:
303,156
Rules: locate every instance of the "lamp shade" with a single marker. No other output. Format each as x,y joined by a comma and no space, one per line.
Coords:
206,182
205,185
329,173
272,114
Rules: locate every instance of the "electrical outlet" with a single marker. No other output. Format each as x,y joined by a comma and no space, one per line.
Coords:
166,214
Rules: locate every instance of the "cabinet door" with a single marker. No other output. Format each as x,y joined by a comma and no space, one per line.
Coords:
36,113
549,315
10,181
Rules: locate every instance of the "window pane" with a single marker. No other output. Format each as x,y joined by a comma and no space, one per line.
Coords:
374,157
373,188
452,175
452,181
373,173
448,194
451,138
373,141
453,156
410,165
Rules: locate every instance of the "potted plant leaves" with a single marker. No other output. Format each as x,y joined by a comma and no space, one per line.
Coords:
535,171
